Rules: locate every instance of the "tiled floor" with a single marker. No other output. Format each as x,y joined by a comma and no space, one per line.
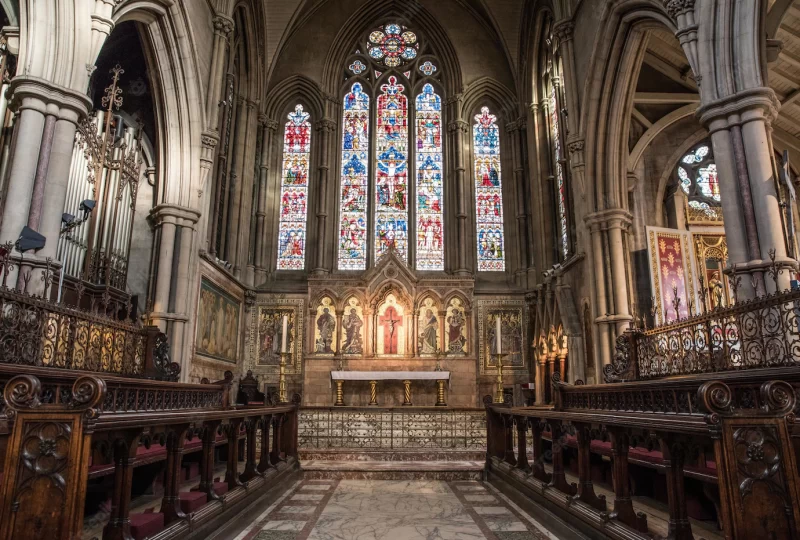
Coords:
393,510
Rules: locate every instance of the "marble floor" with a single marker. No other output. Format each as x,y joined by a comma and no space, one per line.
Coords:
393,510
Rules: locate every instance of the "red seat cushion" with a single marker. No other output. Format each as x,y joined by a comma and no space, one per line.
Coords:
147,524
192,500
220,488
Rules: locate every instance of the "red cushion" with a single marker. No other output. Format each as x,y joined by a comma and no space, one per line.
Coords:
192,500
147,524
220,488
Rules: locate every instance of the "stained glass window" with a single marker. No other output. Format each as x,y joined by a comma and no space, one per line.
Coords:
488,192
391,171
697,174
560,184
354,180
393,45
430,232
294,191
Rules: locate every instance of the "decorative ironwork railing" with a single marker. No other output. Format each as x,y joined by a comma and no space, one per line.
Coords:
392,429
758,333
37,332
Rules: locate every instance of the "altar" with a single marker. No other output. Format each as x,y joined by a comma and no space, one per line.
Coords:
441,377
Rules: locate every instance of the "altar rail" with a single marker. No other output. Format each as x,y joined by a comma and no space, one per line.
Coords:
744,420
406,428
759,333
56,434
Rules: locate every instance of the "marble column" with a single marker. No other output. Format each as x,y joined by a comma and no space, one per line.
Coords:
325,130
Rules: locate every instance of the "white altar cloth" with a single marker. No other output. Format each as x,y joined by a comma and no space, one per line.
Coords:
390,375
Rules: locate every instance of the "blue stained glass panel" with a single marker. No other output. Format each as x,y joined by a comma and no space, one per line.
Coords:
294,191
391,171
488,192
354,181
430,229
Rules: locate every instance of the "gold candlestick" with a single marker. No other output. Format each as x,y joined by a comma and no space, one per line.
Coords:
440,401
282,379
407,393
373,392
339,393
498,394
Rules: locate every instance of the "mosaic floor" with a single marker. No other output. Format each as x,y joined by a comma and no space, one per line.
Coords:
393,510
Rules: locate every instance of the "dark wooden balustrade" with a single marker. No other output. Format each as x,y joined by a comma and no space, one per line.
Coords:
57,432
743,419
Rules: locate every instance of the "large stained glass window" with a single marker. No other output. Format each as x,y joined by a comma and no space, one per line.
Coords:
488,192
430,243
294,191
354,180
392,45
560,183
391,171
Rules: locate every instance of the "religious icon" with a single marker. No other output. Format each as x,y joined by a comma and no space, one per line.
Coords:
351,328
429,329
392,332
218,323
510,335
270,334
326,326
455,325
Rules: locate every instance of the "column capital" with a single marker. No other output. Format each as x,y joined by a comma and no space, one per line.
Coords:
268,123
752,104
458,125
171,213
564,30
223,25
611,218
678,7
29,92
326,125
209,139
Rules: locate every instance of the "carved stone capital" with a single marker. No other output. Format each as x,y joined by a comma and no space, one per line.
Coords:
678,7
455,98
458,125
222,25
576,146
326,125
564,31
209,141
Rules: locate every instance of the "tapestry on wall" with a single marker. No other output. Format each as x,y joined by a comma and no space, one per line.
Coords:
513,319
671,273
266,336
218,316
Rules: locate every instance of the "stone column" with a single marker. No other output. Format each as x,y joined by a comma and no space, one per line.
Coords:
458,132
618,223
223,26
40,163
268,129
177,226
525,253
603,345
325,128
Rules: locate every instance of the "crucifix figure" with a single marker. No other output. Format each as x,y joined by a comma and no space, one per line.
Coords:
391,322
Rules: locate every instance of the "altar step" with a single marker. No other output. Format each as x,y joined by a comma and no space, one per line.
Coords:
392,470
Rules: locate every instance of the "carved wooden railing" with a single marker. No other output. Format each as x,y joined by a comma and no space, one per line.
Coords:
759,333
743,419
53,436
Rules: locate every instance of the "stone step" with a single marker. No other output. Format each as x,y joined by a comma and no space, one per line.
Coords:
392,470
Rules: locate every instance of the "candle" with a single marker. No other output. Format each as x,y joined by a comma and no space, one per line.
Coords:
285,334
498,335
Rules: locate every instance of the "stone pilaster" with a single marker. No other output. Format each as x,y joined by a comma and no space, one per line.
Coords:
326,128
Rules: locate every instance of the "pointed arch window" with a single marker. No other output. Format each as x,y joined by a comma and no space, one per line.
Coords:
294,191
397,71
488,192
354,180
430,219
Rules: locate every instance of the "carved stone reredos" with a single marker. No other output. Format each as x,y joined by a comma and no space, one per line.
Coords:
390,275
